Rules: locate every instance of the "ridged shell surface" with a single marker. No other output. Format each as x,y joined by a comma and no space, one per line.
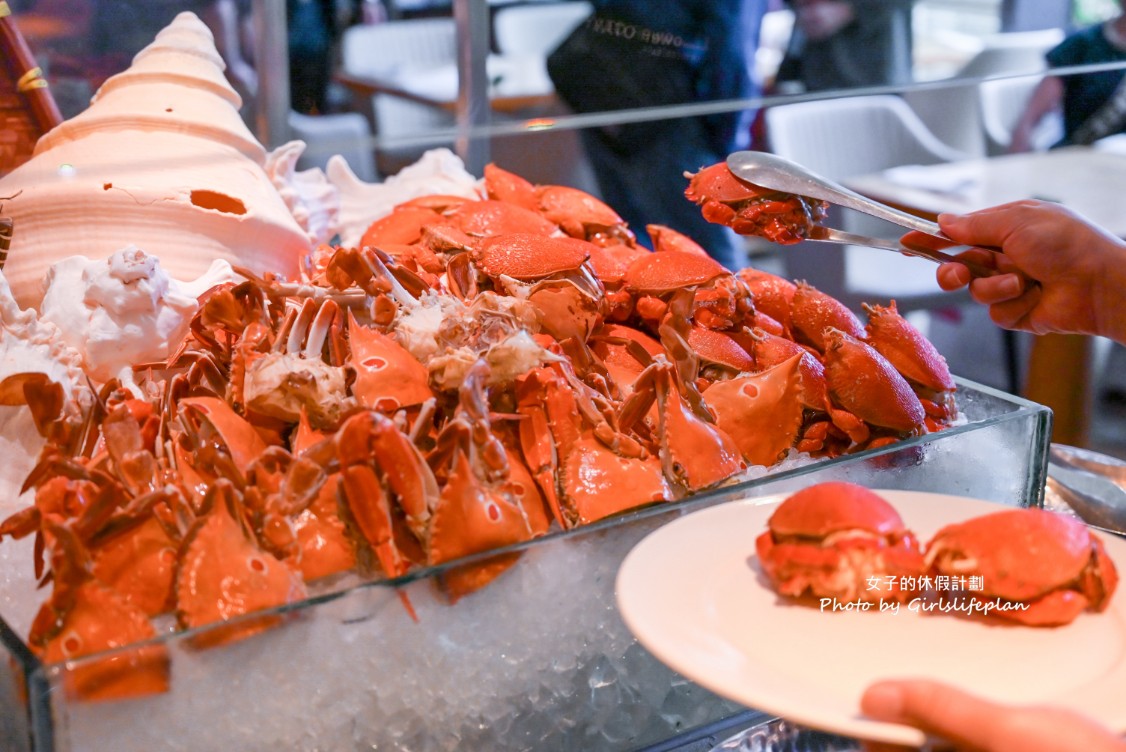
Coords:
161,159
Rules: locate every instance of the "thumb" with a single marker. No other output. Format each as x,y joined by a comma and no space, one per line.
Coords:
974,723
986,227
934,708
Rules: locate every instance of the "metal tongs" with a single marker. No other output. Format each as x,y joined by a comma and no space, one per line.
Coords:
780,174
1093,485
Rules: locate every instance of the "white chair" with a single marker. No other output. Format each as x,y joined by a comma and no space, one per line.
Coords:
850,136
382,48
394,51
953,112
535,30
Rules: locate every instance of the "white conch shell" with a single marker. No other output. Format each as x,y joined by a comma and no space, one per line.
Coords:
28,345
437,171
124,310
312,200
160,159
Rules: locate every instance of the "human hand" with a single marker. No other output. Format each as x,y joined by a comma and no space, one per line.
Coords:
1080,268
967,722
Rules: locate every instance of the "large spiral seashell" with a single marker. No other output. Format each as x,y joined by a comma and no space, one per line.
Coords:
161,159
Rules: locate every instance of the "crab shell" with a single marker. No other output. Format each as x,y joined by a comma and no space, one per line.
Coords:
488,218
581,215
388,376
528,256
102,620
403,226
667,239
610,262
660,273
552,274
769,350
834,539
761,412
503,185
717,183
1052,563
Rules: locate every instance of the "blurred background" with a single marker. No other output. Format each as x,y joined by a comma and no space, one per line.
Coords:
855,89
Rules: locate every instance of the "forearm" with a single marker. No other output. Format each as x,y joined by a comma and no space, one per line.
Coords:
1045,98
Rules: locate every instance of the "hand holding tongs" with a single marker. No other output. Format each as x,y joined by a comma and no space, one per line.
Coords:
780,174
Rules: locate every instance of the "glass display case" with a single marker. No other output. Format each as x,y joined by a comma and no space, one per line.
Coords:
539,659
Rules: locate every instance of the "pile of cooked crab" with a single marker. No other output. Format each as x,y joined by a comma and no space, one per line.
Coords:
474,374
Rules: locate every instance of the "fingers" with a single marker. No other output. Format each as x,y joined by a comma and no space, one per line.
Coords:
990,226
953,276
974,723
923,242
1017,312
932,707
999,289
1004,283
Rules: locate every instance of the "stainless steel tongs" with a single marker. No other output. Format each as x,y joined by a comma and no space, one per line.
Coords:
780,174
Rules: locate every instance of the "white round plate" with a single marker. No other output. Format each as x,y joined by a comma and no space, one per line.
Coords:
693,594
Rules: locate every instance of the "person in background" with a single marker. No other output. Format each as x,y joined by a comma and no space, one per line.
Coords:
313,30
642,177
1093,104
973,723
840,44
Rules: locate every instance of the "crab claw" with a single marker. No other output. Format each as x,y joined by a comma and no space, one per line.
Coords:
862,382
914,356
84,617
470,518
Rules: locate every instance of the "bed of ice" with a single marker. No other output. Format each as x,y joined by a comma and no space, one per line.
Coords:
538,660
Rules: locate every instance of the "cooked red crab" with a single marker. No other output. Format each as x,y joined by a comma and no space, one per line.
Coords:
752,210
1036,567
839,540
